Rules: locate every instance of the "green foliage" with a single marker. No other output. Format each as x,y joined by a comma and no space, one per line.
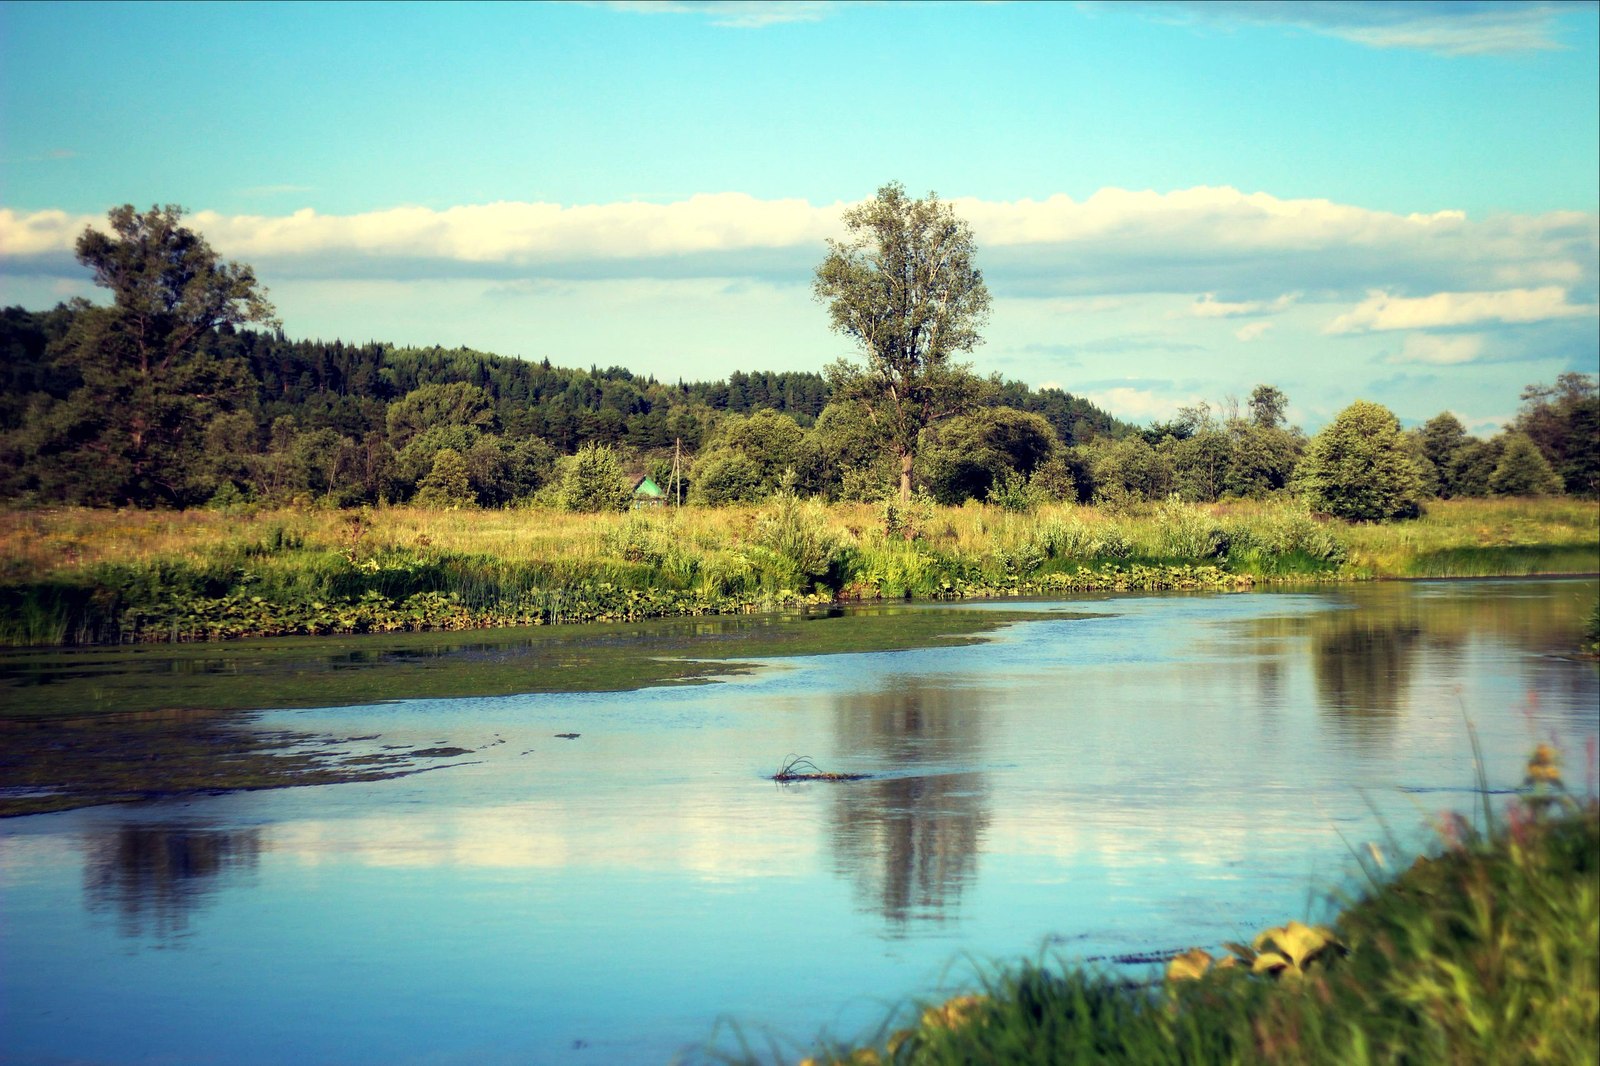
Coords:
1443,440
1189,533
1261,460
905,287
1359,467
746,459
1473,465
797,532
1523,470
967,456
455,403
1013,492
1128,470
447,484
1485,953
1267,406
726,476
592,480
133,430
1564,421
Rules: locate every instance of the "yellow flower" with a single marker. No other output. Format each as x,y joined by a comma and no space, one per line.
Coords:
1544,766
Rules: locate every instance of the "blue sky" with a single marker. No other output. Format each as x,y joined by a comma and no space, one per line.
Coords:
1173,202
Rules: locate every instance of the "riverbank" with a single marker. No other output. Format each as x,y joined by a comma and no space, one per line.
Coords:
85,726
1486,951
78,576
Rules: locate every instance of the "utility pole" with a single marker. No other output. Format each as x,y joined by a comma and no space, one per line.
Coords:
677,470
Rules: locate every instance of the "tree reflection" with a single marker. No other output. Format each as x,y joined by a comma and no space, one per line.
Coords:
1363,666
908,840
153,876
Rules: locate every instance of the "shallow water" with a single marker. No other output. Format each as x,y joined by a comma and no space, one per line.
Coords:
1176,770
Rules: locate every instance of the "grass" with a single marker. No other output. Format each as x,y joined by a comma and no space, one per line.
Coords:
77,576
1486,952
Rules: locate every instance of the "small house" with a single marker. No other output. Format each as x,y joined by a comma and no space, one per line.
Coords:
646,493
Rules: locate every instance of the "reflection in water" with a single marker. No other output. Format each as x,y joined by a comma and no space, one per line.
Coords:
1362,668
909,840
154,875
1365,661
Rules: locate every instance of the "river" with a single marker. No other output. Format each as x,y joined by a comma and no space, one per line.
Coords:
613,878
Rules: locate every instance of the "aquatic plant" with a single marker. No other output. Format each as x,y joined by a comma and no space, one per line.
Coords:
801,768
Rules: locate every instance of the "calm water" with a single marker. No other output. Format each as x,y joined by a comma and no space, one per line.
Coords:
1178,770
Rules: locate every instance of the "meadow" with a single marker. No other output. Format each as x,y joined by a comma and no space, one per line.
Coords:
93,576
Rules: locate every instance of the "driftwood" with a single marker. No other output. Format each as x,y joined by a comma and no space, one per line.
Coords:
801,768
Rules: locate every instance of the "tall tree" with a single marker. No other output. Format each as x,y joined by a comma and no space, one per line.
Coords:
151,386
1564,421
904,287
1267,404
1443,438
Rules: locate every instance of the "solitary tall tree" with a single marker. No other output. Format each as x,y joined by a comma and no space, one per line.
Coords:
136,427
905,288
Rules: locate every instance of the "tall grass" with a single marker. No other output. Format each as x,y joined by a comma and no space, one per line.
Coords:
1486,952
75,575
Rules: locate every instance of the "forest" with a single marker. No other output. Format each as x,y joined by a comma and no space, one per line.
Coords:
185,391
250,416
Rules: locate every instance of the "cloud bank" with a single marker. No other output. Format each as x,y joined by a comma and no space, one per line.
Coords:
1247,253
1380,311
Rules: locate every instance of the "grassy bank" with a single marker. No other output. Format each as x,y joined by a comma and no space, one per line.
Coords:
1488,952
86,577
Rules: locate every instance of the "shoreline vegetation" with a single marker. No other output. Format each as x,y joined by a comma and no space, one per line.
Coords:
1486,949
80,576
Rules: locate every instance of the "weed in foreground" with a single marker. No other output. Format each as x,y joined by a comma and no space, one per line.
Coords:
1486,952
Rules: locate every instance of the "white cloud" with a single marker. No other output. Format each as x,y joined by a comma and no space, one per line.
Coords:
1252,331
1435,350
1380,311
1208,306
40,232
1088,255
735,14
1487,27
1137,405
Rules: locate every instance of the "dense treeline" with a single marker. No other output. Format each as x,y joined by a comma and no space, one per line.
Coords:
355,424
367,423
372,423
166,398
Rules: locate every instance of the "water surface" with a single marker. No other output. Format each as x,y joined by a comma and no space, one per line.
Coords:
1174,770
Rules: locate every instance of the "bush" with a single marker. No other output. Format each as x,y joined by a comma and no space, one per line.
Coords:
592,480
1359,467
447,484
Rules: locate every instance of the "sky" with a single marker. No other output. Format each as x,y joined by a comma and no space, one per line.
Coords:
1172,202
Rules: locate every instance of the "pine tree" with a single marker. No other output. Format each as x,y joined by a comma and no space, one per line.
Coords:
1523,470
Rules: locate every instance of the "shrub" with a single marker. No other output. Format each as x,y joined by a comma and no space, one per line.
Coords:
592,480
447,484
1359,467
